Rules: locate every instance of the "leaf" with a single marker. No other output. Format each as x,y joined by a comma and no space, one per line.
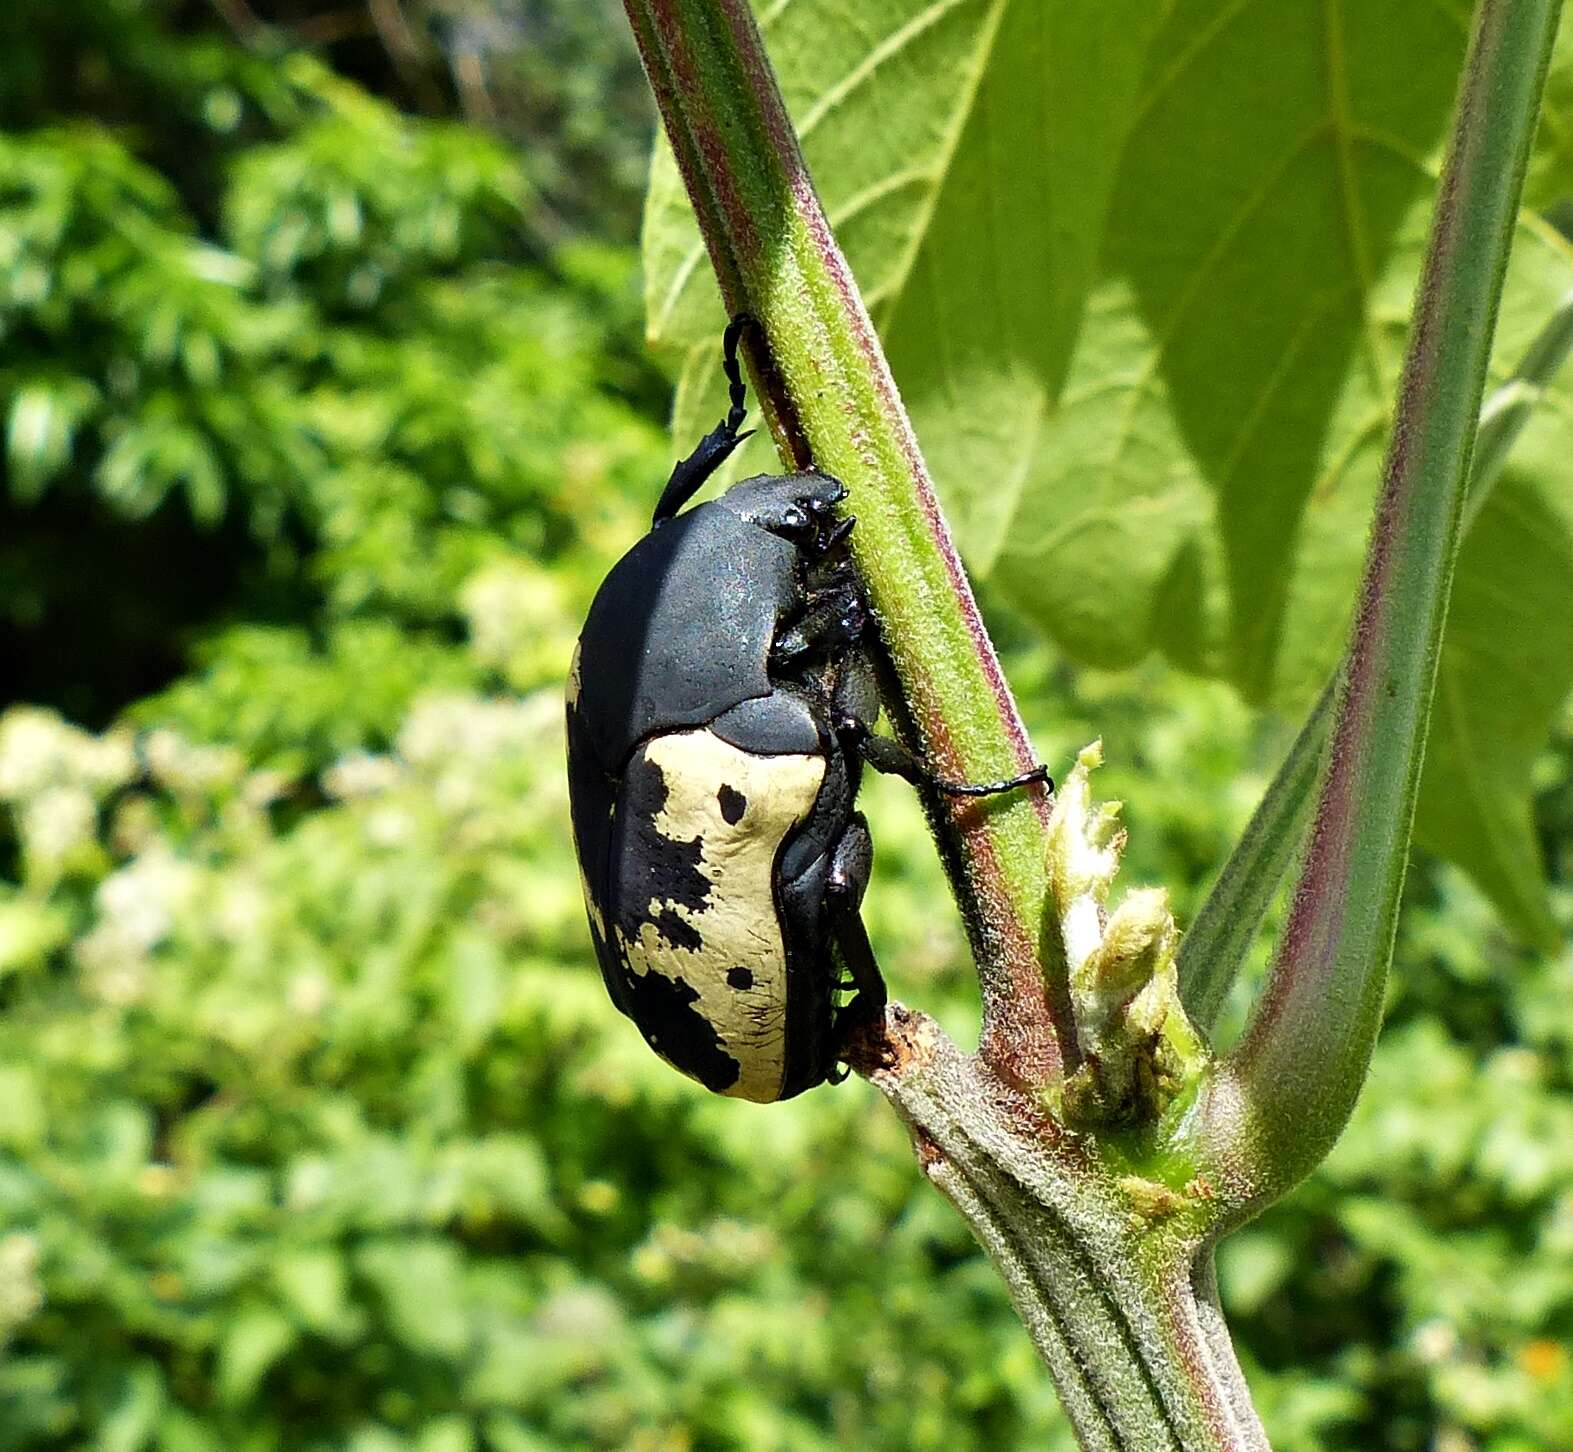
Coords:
1506,668
504,1177
446,1434
1214,949
1507,655
374,1438
23,1117
1261,251
29,931
507,1434
312,1284
966,172
45,415
1550,178
1151,344
910,65
253,1342
133,1412
421,1284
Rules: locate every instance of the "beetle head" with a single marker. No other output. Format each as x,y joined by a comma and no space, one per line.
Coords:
798,507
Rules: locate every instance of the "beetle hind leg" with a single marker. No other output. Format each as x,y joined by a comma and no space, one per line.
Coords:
849,874
690,475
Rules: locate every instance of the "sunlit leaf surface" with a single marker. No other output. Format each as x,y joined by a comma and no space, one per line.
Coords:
1144,274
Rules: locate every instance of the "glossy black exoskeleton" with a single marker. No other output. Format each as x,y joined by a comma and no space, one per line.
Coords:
719,713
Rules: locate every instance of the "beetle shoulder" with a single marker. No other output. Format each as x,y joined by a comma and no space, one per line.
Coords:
681,629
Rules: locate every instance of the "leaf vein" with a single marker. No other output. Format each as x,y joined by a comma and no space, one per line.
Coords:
1188,56
1192,290
892,45
902,271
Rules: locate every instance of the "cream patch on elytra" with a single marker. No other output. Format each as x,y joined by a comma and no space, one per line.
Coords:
740,808
574,682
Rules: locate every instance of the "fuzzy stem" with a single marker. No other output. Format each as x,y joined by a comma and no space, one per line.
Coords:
1215,947
1108,1293
830,397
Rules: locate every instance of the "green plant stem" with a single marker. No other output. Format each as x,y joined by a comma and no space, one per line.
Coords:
1271,1109
1111,1306
1134,1340
830,398
1216,944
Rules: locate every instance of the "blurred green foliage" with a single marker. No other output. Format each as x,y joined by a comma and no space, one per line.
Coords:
316,1128
259,421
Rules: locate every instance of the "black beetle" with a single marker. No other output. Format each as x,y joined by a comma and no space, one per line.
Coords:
719,711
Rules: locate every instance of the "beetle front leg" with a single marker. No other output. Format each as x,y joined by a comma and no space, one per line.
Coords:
834,620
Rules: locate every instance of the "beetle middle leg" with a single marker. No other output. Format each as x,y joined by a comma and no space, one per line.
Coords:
690,475
889,756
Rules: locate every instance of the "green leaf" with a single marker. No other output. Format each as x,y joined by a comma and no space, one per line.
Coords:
134,1411
1507,658
377,1439
421,1284
505,1176
1215,946
507,1434
1506,668
1280,1098
1251,1270
23,1117
253,1342
1248,336
181,1432
446,1434
966,170
1151,351
29,932
312,1285
1550,178
44,418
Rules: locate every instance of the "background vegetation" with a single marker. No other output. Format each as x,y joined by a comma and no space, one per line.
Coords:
325,407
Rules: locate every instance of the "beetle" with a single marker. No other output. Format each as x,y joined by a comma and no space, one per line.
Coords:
720,706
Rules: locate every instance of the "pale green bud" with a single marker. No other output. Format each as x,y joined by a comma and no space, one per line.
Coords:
1120,966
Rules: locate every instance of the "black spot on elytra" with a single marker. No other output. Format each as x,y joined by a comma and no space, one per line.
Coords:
733,804
664,1010
657,874
676,932
739,978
